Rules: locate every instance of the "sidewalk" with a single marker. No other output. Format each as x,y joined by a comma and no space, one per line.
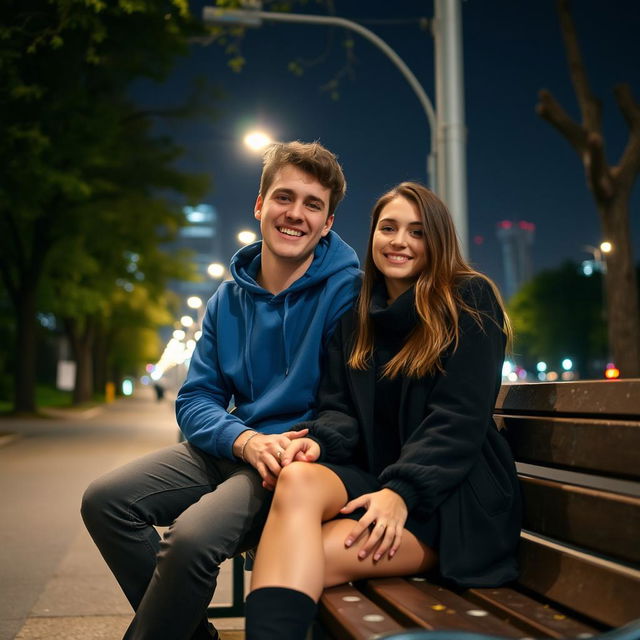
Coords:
55,585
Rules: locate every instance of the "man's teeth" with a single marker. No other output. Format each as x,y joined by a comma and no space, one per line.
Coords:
290,232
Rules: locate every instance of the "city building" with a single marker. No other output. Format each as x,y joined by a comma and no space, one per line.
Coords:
516,239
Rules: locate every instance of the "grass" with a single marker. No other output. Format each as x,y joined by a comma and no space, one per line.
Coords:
48,397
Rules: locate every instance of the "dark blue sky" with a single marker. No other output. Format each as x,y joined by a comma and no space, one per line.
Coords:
519,167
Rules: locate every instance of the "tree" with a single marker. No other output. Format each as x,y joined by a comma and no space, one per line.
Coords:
546,325
611,186
65,66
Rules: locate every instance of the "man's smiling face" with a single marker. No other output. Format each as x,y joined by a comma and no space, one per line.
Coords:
293,215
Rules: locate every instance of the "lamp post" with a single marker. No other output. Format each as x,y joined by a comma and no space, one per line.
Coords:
446,162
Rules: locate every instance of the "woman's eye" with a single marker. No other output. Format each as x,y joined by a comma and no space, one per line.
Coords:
417,233
386,228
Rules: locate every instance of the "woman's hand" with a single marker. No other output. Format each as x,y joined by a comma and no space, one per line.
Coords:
265,453
385,517
302,450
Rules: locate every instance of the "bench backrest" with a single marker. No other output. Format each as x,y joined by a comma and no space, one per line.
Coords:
577,447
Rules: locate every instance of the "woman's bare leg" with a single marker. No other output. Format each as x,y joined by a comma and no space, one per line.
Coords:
342,564
290,553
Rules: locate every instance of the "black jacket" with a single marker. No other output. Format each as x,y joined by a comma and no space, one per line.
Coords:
453,460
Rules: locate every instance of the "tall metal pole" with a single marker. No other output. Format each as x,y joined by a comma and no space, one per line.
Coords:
452,132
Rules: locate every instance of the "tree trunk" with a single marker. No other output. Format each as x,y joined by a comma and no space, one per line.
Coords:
100,360
25,374
82,347
623,315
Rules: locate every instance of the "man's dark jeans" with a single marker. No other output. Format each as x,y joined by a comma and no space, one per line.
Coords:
214,508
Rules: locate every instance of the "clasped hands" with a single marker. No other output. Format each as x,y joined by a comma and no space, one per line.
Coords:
268,453
385,511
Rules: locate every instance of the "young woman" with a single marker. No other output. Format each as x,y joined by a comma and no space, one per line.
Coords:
403,469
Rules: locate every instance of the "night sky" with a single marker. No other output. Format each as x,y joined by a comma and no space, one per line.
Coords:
519,167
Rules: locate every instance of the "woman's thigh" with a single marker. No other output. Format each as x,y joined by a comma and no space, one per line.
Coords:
342,564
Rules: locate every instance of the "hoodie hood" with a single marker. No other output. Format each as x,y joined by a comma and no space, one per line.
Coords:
330,256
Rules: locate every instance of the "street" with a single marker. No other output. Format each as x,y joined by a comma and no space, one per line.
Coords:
55,585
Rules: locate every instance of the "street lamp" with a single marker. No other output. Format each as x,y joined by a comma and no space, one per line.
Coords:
186,321
599,254
257,140
246,237
216,270
193,302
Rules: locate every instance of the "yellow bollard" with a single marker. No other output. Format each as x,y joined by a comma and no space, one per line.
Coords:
109,392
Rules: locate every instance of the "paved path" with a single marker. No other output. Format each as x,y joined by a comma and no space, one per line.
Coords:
54,584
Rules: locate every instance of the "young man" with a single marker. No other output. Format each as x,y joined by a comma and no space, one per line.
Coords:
263,339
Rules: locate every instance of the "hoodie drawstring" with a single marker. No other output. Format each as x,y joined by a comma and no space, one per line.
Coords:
248,332
285,342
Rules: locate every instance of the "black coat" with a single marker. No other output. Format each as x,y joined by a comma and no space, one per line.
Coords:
453,460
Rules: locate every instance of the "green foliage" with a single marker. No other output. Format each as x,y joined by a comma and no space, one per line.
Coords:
85,185
559,313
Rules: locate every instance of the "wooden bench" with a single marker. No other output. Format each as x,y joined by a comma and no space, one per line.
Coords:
577,446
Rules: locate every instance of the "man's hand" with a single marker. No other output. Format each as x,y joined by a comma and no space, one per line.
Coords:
264,452
385,518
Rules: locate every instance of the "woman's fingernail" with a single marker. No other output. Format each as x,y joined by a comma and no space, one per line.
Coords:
376,557
348,542
362,554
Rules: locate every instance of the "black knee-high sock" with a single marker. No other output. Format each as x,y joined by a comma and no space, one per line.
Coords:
275,613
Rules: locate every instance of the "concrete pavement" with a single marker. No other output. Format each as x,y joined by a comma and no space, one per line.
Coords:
54,584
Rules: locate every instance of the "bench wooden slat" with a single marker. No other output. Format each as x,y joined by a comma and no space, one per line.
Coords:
534,617
601,521
479,618
424,605
585,397
350,615
604,591
599,446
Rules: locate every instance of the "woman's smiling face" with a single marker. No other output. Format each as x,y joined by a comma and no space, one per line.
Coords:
398,248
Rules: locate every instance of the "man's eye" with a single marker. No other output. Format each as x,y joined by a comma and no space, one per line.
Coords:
283,197
316,206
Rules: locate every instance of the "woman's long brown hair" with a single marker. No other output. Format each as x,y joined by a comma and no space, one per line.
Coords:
437,300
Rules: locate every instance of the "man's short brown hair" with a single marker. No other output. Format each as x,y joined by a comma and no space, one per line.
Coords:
310,157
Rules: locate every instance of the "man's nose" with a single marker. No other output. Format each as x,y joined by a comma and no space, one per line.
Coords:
294,211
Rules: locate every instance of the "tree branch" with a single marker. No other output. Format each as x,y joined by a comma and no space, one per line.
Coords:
599,175
628,106
590,106
629,164
549,109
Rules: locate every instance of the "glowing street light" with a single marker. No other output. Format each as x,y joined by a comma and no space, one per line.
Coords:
246,237
216,270
257,140
179,334
186,321
193,302
606,247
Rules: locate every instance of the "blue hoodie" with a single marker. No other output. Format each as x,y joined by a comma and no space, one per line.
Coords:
265,351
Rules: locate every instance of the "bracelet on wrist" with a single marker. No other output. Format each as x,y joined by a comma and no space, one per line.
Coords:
244,444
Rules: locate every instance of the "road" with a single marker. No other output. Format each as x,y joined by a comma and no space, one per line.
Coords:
54,582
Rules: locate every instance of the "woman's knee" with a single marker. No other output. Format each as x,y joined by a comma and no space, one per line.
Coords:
299,484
